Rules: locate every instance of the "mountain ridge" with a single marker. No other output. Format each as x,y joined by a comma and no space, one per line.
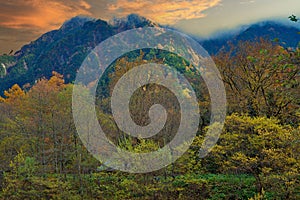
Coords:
284,35
63,50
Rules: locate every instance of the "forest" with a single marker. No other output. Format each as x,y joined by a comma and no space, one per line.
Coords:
257,155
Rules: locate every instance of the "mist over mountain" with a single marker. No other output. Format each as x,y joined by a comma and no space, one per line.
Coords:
131,21
64,50
283,34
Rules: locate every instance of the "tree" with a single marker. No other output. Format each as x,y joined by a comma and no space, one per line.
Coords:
293,18
15,92
262,147
262,79
40,124
11,139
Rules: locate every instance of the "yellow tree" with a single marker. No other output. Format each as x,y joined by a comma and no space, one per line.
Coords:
262,79
11,126
15,92
261,147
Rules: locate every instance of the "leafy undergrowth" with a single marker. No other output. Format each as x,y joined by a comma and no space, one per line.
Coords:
105,185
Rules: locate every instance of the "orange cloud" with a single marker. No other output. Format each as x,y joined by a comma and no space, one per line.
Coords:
85,5
40,14
163,11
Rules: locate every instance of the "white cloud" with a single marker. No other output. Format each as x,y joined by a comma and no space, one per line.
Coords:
247,2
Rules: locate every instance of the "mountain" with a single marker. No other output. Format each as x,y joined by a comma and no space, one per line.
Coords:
131,21
284,35
64,50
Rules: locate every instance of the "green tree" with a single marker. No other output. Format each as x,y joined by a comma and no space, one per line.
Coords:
293,18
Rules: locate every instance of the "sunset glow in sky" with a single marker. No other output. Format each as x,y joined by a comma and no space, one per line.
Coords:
22,21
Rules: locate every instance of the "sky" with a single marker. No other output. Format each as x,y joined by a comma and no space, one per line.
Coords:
22,21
